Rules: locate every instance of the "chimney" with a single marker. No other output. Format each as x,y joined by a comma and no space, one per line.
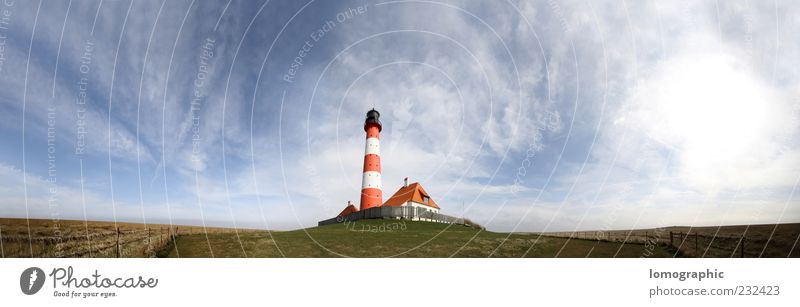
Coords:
405,182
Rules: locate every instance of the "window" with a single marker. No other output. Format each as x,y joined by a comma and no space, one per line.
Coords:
425,199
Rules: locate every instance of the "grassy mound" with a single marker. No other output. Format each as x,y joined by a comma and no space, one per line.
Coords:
394,238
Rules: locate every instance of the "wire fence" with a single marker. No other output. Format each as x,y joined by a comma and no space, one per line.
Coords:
690,244
117,242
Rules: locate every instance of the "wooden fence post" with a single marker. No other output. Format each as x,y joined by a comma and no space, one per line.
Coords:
118,250
149,245
741,251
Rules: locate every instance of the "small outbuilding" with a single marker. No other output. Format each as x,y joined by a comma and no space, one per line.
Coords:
347,210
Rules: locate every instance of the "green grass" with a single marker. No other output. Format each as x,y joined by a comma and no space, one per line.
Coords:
390,238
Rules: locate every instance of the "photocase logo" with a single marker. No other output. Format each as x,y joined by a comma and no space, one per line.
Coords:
31,280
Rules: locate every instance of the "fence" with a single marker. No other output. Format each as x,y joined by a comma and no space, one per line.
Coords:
104,241
405,212
691,244
698,245
115,243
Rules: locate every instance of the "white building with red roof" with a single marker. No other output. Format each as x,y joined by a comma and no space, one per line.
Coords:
413,196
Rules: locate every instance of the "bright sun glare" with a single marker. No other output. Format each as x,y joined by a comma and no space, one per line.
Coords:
711,111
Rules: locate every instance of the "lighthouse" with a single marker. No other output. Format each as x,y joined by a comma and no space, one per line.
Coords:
371,192
410,202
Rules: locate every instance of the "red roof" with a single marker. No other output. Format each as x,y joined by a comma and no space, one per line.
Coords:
413,192
347,210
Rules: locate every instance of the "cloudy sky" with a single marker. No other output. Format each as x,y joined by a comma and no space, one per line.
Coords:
522,115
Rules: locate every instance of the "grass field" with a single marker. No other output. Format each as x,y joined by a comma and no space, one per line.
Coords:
389,238
381,238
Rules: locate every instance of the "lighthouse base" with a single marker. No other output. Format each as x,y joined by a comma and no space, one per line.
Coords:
402,213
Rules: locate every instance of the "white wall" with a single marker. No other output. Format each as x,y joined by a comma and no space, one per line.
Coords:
419,205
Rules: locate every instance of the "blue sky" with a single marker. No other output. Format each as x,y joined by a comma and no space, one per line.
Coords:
535,115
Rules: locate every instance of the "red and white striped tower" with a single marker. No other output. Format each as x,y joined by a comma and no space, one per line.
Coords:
371,192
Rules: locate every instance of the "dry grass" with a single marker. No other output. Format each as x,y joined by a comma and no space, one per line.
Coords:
772,240
768,240
69,238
